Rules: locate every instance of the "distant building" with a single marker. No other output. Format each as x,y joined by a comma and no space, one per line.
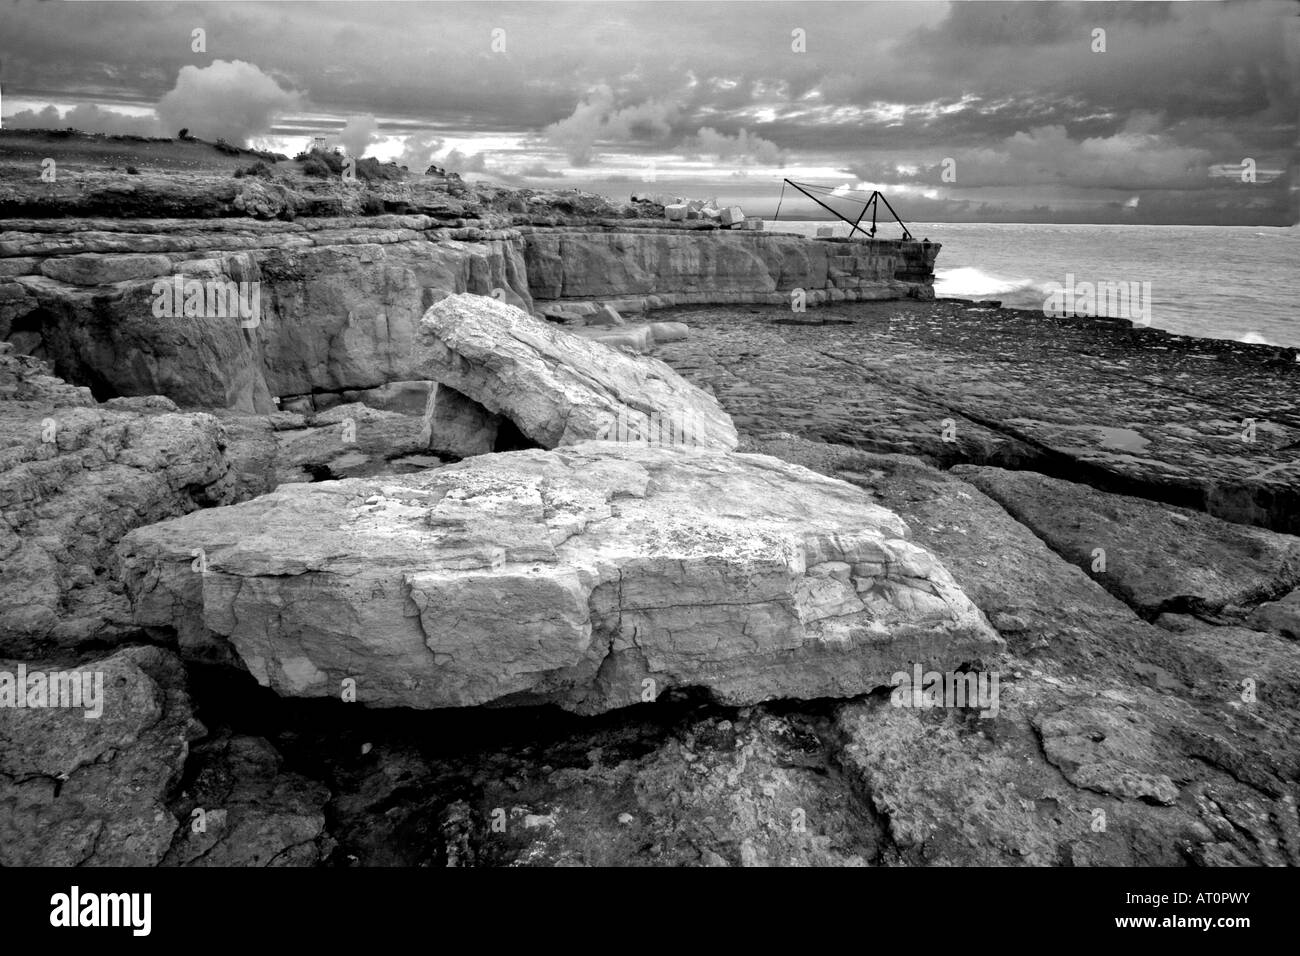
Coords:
318,143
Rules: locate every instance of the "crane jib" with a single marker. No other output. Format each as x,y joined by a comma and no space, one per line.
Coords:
871,203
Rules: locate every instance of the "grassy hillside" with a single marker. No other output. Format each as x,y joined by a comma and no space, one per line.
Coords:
79,150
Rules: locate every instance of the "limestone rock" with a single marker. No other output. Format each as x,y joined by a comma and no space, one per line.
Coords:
1157,557
1281,616
1106,748
93,269
407,398
640,338
636,339
605,315
74,477
79,790
460,426
243,809
1016,386
698,266
339,301
587,576
664,332
555,386
1047,608
345,441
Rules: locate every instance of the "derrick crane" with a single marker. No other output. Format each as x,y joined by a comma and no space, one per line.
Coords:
871,202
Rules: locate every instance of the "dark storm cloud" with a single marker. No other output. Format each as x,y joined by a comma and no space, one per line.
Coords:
1183,59
1015,92
87,117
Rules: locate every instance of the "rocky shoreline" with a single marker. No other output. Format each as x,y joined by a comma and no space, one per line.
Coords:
480,516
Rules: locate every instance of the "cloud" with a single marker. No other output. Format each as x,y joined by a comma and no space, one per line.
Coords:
458,162
1132,158
743,147
357,135
539,171
926,81
418,150
596,120
88,118
230,100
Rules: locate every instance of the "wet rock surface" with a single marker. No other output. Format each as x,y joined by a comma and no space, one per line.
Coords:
1156,558
1126,409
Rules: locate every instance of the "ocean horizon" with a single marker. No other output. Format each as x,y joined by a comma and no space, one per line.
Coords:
1237,283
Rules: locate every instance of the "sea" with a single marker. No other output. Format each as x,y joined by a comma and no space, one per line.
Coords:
1240,283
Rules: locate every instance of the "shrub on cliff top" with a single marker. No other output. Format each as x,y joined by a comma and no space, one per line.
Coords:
332,160
256,169
372,170
315,166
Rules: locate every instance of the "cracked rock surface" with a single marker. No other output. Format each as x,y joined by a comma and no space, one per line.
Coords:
79,790
560,388
581,576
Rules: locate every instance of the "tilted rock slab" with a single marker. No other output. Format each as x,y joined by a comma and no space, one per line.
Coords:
559,388
592,576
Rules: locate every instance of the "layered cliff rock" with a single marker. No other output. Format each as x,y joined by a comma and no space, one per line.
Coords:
96,270
337,302
642,267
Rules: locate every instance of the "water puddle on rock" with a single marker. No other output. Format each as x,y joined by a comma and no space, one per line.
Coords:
1122,439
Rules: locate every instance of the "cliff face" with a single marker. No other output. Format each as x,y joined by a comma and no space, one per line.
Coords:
338,299
663,267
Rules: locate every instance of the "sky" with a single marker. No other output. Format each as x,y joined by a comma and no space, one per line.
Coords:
1144,112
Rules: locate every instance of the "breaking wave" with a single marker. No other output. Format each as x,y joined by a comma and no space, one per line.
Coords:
970,283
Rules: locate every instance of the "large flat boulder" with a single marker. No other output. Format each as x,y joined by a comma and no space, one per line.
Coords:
592,576
559,388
